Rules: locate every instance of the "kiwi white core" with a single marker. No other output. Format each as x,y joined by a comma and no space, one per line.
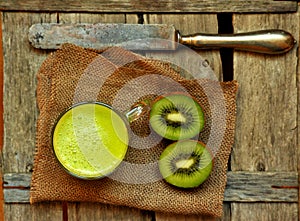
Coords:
185,163
176,117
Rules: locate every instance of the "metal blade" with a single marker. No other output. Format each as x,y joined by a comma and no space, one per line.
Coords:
97,36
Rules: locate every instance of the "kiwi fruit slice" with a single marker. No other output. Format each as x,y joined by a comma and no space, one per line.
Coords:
186,164
176,117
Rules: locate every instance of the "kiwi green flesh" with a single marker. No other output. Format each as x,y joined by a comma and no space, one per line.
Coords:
177,117
186,164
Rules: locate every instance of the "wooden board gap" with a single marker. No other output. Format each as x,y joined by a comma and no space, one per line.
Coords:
225,27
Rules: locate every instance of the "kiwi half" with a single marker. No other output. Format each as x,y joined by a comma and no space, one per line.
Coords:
186,164
176,117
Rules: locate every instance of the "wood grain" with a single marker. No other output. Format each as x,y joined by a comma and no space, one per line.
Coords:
1,85
298,119
21,63
266,130
262,187
241,187
72,18
1,119
147,6
267,102
266,151
45,212
16,187
298,128
105,212
264,211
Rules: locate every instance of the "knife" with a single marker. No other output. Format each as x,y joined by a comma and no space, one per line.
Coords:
154,37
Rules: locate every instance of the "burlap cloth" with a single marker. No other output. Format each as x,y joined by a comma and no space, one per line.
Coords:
121,78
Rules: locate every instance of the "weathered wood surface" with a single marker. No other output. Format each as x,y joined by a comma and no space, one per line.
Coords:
20,66
264,212
298,122
241,187
266,130
147,6
16,187
266,135
1,119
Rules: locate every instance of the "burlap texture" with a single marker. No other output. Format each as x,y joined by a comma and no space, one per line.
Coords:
121,78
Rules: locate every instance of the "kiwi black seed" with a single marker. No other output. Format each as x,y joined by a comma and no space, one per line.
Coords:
176,117
186,164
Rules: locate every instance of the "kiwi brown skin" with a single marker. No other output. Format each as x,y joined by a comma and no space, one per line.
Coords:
177,122
186,163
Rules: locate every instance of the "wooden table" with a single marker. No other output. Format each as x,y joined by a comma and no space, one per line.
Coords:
263,168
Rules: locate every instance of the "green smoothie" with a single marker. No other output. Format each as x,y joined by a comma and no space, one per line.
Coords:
90,140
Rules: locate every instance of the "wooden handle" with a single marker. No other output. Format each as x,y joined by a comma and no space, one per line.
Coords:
266,41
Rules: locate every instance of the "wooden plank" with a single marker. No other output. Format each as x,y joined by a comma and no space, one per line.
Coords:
275,187
266,129
17,212
241,187
264,211
298,122
16,186
267,102
1,119
21,63
14,212
90,18
47,211
169,217
149,6
105,212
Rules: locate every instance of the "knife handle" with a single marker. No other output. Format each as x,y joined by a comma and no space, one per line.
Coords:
265,41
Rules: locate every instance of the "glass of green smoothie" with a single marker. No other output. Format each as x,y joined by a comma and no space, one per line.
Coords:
90,140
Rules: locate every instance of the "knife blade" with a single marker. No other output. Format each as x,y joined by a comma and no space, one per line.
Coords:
154,37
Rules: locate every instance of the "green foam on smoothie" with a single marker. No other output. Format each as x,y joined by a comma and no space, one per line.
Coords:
90,140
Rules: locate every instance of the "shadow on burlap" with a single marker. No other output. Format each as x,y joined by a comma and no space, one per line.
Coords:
120,78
